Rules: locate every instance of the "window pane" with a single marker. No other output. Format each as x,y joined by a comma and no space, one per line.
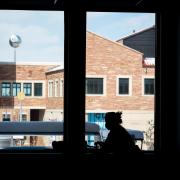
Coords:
31,67
123,86
94,86
27,88
6,89
38,89
16,88
149,86
123,53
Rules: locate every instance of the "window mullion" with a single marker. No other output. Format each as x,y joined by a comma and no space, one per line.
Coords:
74,84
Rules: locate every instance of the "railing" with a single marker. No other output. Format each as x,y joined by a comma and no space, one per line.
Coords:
40,128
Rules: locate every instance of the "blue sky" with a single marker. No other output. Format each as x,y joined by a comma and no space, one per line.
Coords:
116,25
42,32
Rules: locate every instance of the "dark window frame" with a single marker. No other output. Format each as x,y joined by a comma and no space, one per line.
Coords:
75,31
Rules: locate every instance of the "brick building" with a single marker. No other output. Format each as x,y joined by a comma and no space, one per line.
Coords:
116,80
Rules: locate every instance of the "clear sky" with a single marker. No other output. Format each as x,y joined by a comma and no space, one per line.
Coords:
42,32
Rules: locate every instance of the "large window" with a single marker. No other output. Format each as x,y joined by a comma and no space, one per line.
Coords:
6,89
116,49
27,89
107,55
30,70
94,86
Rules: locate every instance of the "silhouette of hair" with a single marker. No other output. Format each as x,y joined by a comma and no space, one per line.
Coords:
114,117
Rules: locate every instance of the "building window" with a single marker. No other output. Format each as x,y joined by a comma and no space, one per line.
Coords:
61,88
24,117
27,88
16,88
6,117
56,88
149,86
94,86
50,89
124,86
6,89
38,89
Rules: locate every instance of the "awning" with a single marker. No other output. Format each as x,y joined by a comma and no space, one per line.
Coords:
149,62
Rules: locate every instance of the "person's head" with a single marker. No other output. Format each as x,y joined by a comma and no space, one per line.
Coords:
113,119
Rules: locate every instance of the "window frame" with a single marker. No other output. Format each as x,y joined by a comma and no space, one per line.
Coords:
56,88
103,77
143,85
35,89
61,87
50,94
31,88
77,23
129,87
16,88
10,92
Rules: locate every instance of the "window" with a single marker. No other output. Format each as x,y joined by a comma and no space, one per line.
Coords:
38,87
24,117
50,88
114,53
124,86
94,86
16,88
33,68
27,89
61,87
6,117
148,86
56,88
6,89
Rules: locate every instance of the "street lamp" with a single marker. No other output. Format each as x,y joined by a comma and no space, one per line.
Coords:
14,42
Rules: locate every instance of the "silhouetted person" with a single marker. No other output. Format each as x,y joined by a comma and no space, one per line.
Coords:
118,141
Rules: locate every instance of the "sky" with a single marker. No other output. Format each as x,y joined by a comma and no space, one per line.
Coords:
42,32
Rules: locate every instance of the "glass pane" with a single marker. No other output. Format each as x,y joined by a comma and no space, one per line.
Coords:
94,86
31,61
120,49
123,86
38,89
149,86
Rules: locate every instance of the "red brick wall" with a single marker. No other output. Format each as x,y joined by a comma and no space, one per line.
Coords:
7,72
104,57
